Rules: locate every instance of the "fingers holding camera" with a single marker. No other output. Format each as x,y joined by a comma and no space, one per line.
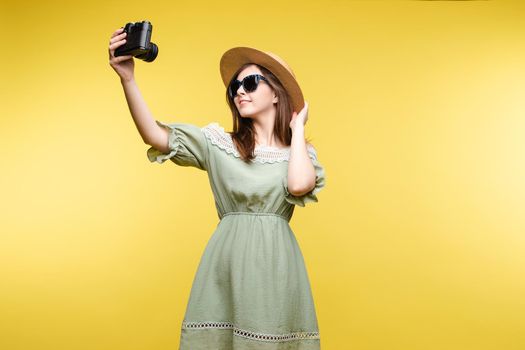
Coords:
123,65
112,47
116,41
119,37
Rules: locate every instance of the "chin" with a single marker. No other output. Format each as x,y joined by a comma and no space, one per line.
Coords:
245,114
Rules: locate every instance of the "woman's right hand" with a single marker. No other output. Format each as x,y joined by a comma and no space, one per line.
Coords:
123,65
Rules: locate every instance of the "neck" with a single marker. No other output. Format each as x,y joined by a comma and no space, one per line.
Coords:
264,126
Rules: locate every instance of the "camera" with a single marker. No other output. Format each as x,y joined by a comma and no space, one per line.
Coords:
138,42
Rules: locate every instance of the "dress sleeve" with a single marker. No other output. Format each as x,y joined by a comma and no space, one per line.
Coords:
187,144
319,183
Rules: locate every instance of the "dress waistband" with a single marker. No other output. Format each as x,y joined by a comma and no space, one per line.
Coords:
254,213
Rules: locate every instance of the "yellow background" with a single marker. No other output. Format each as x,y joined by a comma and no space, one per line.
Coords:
417,110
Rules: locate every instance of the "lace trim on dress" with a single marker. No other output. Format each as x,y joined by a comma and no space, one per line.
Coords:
263,154
251,335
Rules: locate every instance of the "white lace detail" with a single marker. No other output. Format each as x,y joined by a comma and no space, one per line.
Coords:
251,335
263,154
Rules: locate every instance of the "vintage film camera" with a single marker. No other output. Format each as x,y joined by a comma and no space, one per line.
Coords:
138,42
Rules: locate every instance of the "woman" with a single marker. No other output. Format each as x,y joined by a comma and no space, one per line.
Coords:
251,289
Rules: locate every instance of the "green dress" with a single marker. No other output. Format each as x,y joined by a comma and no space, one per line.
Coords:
251,289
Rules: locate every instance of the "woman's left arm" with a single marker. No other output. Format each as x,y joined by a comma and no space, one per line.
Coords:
301,171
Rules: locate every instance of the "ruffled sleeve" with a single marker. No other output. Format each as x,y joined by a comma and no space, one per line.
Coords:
319,182
187,144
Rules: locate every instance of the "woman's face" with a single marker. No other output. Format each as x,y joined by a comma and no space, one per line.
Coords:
260,101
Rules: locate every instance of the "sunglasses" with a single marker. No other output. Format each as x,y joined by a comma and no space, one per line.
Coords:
249,83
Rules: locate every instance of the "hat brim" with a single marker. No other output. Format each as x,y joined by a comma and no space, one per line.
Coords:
234,58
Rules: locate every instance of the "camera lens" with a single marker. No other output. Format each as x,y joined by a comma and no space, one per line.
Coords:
150,54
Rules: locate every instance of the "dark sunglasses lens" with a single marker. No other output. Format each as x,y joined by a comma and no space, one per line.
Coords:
250,83
234,86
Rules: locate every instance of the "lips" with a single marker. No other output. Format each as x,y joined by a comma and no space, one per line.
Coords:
243,102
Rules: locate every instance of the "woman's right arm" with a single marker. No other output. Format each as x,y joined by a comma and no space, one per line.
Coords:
151,133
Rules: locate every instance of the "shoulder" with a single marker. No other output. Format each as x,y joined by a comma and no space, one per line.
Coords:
217,136
216,133
214,126
180,127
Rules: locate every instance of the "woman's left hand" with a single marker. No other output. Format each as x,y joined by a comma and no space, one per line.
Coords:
301,118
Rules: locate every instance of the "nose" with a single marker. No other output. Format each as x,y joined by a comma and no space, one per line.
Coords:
240,91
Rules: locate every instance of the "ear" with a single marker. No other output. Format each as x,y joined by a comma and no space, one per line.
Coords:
275,99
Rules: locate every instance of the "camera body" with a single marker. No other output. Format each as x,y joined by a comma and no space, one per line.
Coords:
138,42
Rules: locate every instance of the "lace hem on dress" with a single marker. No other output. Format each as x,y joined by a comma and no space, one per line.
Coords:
249,334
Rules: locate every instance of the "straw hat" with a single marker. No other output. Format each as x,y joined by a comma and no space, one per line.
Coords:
234,58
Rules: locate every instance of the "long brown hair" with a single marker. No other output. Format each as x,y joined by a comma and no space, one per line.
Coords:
243,133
